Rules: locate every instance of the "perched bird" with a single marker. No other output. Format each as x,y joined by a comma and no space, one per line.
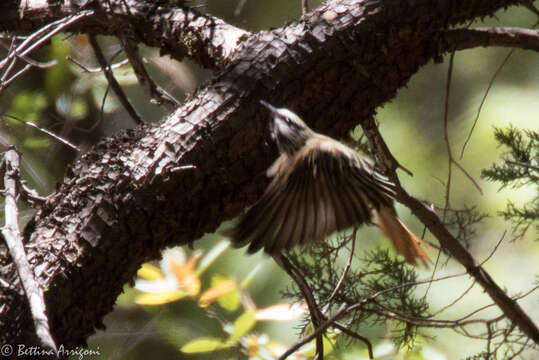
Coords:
318,185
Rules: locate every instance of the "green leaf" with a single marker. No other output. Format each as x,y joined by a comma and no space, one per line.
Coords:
204,344
36,142
26,106
79,108
59,78
230,301
243,325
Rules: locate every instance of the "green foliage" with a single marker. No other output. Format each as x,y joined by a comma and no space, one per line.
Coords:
59,78
27,106
383,284
203,344
481,356
463,223
519,167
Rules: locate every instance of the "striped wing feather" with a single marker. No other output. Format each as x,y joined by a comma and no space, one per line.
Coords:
324,187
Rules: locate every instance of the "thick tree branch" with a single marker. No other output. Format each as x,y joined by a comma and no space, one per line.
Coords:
179,32
125,200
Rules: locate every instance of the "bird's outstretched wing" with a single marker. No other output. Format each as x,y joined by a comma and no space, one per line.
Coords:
324,187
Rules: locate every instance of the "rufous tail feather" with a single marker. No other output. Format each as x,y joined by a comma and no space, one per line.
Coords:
405,242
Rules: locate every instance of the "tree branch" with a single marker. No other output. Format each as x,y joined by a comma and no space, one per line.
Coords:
449,243
179,32
461,39
122,202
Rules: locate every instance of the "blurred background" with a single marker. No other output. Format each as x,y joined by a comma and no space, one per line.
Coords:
215,294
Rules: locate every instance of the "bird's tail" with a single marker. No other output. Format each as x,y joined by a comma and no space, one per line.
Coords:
405,242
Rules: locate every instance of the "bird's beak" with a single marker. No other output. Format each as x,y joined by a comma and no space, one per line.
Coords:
270,107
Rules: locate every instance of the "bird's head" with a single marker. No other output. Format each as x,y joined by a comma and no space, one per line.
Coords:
287,129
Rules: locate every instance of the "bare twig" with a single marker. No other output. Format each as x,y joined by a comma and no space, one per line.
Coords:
113,82
316,315
494,76
30,196
239,7
304,6
158,94
460,39
5,83
88,69
446,134
520,163
346,268
510,308
344,309
494,250
12,236
355,335
35,40
532,8
44,131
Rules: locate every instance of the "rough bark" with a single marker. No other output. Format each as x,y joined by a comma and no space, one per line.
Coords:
129,197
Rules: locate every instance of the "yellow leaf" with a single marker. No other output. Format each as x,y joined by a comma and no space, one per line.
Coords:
150,272
159,298
203,344
243,325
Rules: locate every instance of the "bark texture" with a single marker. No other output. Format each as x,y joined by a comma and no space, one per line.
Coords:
129,197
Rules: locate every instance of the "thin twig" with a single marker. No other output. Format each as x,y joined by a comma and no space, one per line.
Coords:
304,7
346,268
344,309
355,335
89,69
316,316
494,76
239,7
44,131
446,134
511,309
6,83
158,94
56,26
520,163
113,82
454,301
12,236
35,63
494,250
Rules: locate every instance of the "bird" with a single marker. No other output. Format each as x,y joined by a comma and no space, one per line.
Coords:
318,186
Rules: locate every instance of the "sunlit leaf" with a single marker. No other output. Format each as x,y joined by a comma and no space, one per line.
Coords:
160,298
150,272
282,312
211,256
243,325
204,344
